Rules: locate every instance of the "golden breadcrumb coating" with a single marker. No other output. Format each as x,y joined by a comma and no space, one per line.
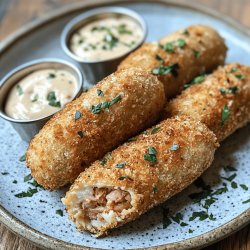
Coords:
182,150
221,101
192,51
129,100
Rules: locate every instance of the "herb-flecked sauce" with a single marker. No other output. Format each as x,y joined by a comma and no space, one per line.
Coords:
106,38
40,94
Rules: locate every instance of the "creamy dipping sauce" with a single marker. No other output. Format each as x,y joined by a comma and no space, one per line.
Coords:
40,94
106,38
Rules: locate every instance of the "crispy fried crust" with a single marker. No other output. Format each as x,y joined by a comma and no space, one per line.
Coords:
206,101
58,153
148,184
203,51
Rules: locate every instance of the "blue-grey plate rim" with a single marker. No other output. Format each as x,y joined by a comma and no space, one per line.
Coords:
48,242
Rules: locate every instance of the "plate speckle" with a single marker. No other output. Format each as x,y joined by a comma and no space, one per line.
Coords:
223,202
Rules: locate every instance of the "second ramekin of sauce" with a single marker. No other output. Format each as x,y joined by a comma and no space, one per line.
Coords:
100,39
31,93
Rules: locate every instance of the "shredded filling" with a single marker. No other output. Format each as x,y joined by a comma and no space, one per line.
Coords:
104,200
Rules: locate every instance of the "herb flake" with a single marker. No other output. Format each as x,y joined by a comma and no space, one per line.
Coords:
225,113
151,155
121,165
80,134
78,115
51,97
35,98
99,92
23,158
27,178
246,201
165,219
196,80
125,177
165,70
29,193
243,186
240,76
59,212
19,89
155,130
181,43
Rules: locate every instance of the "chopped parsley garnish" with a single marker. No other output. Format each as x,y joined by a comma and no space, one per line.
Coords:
51,76
155,130
164,70
51,97
155,189
81,40
151,155
35,184
181,43
15,182
230,90
19,89
169,47
196,80
229,169
202,215
103,161
115,100
4,173
243,186
105,158
177,218
23,157
240,76
230,178
99,92
121,178
159,58
80,134
233,70
174,147
246,201
59,212
29,193
121,165
225,113
183,224
78,115
220,190
96,109
186,32
165,219
84,89
190,231
234,185
110,40
99,28
27,178
122,29
197,53
35,98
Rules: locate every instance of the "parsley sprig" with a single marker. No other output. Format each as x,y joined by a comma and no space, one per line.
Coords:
96,109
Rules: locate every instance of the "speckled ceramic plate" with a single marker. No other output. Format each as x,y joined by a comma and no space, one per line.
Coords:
188,220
